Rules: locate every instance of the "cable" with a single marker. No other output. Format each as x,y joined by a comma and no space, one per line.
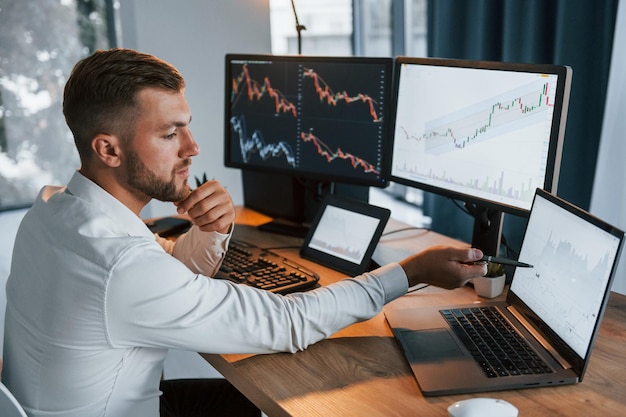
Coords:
426,230
299,27
417,288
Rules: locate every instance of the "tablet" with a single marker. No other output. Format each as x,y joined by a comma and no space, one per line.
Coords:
344,234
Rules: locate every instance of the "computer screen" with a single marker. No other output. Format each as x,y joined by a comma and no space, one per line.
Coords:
485,133
324,118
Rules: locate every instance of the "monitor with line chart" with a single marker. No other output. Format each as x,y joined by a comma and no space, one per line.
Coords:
313,119
485,133
323,117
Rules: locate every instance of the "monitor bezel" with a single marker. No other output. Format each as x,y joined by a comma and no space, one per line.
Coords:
324,176
557,132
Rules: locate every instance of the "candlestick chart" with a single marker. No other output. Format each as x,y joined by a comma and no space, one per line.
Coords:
254,90
313,118
328,96
478,126
487,119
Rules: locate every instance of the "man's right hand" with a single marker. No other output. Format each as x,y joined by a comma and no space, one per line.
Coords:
444,266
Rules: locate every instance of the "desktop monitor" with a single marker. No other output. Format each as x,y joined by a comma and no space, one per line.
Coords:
307,118
485,133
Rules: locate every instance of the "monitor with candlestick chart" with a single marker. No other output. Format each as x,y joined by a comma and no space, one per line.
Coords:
318,121
485,133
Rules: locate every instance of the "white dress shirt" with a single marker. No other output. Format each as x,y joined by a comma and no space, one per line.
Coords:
94,300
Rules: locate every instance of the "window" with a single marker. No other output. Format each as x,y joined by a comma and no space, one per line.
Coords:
350,27
39,44
355,27
328,26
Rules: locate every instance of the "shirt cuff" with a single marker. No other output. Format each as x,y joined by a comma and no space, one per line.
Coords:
394,281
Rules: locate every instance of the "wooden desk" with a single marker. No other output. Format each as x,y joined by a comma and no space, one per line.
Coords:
361,370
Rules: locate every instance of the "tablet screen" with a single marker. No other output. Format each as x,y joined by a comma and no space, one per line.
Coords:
345,234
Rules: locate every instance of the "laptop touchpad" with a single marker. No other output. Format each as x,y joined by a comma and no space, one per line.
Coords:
429,345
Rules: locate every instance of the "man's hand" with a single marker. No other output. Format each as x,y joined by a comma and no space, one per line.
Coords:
444,266
209,207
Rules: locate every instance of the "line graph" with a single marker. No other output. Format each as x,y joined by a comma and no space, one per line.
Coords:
326,152
572,263
326,94
255,144
322,118
566,286
256,91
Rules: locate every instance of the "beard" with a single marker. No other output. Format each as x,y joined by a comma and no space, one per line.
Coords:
144,180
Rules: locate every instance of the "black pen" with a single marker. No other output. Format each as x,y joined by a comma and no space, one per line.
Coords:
505,261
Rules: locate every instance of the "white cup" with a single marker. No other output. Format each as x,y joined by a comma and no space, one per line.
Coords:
482,407
489,287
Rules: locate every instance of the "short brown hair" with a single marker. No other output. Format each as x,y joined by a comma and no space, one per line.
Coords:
100,94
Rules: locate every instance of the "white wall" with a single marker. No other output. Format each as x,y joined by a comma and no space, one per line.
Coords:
194,36
608,200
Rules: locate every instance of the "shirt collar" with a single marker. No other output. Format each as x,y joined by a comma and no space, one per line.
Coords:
82,187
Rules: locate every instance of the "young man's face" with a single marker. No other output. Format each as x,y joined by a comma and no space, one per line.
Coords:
158,157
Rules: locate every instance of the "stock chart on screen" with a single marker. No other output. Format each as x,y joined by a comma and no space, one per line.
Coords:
316,116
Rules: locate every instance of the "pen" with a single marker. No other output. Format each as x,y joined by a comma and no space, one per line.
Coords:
505,261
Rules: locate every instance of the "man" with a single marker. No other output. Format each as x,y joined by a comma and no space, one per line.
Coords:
95,299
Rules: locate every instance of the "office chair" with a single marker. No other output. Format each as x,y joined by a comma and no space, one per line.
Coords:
9,407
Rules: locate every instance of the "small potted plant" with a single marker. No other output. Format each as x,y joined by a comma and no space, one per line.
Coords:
492,284
495,270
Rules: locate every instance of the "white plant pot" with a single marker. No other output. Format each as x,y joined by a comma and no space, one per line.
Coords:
489,287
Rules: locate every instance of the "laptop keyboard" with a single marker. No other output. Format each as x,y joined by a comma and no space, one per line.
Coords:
260,268
493,342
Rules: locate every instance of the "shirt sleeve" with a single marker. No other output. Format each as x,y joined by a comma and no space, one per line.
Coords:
160,303
202,252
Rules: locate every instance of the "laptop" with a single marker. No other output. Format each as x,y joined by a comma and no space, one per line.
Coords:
556,307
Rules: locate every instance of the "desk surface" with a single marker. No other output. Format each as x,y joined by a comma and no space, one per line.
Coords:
361,370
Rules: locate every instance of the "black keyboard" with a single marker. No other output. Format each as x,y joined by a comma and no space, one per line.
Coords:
494,343
248,264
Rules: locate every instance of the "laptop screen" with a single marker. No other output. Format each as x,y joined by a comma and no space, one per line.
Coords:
572,260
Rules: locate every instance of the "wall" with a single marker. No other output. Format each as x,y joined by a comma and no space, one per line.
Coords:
194,36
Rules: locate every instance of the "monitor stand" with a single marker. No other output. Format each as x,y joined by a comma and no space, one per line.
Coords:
278,196
293,202
487,229
285,227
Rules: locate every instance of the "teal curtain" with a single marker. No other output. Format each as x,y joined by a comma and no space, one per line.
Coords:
578,33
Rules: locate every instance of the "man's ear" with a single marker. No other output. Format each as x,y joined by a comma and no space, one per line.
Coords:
107,149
